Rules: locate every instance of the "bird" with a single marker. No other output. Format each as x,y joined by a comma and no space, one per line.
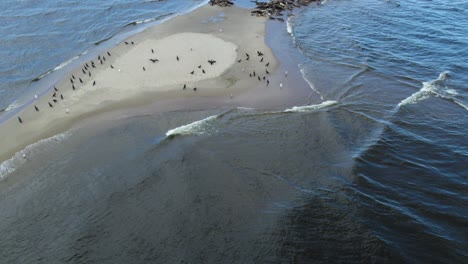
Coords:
250,74
259,78
264,77
35,107
259,53
144,69
267,72
81,81
55,100
73,86
177,58
203,71
19,119
54,94
50,104
239,61
112,66
152,51
108,53
254,73
103,58
192,72
268,82
86,65
132,42
286,73
61,96
83,71
247,58
194,88
71,80
199,66
100,61
55,88
268,64
94,83
185,86
89,73
126,43
261,60
93,66
73,76
99,57
247,55
153,60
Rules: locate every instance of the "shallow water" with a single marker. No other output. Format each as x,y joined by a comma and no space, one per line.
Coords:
373,172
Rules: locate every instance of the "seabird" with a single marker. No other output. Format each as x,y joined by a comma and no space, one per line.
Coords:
73,86
100,61
144,69
250,74
93,66
108,53
71,80
81,81
99,57
73,76
86,65
94,83
54,94
194,88
153,60
89,73
50,104
83,71
192,72
55,100
55,88
268,82
126,43
177,58
247,55
268,64
103,58
239,61
37,109
199,66
259,53
264,77
152,51
203,71
19,119
281,85
254,73
259,78
35,96
247,58
267,72
112,66
185,86
261,60
133,43
61,96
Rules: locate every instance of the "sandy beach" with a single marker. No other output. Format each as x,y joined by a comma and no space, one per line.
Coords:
210,52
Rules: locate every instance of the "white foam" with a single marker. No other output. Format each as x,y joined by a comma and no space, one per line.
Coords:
289,26
9,166
310,83
428,89
308,108
201,127
12,106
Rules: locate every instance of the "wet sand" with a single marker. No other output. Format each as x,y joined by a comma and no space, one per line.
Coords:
153,67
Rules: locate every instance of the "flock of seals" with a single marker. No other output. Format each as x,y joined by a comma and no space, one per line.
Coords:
273,9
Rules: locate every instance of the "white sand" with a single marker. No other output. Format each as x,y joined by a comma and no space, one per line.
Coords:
193,37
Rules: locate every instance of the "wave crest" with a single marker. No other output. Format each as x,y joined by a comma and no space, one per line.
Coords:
308,108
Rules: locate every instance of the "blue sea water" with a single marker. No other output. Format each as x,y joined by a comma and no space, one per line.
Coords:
378,173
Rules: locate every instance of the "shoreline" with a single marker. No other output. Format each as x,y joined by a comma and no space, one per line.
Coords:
224,33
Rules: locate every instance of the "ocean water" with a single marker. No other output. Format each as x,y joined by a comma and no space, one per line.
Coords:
373,170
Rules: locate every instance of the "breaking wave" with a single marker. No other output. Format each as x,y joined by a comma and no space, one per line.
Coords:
201,127
308,108
9,166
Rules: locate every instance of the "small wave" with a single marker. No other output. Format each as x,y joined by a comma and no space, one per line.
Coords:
200,127
308,108
309,82
134,23
12,106
58,67
9,166
433,88
289,26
